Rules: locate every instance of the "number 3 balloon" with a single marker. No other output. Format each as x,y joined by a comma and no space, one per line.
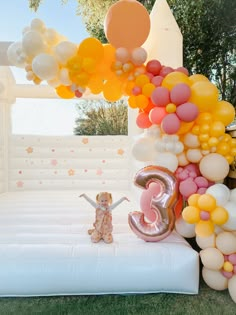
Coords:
162,204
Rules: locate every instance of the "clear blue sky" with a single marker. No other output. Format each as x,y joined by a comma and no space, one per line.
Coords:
15,15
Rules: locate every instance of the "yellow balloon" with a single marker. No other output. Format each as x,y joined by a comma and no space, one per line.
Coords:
217,129
223,148
206,202
224,112
192,200
91,48
219,216
191,214
141,80
64,92
204,95
142,101
174,78
204,118
147,89
132,101
204,228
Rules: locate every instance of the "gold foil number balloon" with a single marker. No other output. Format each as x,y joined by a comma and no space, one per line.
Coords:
162,204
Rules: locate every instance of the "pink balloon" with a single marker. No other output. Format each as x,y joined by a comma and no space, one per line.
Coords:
153,190
160,96
157,80
143,121
165,70
201,182
157,114
187,187
183,70
187,112
163,204
201,190
150,75
180,93
153,66
136,90
170,124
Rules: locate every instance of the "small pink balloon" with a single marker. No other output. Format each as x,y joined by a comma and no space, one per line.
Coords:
153,66
157,114
78,93
136,90
193,168
180,93
187,187
165,70
149,75
227,274
201,190
183,70
160,96
187,112
157,80
201,182
170,124
205,215
232,258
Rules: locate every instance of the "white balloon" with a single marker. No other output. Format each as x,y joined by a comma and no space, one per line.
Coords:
232,288
14,52
45,66
212,258
64,77
64,51
230,225
33,43
214,279
205,242
184,229
166,159
51,37
220,192
143,149
233,195
194,155
37,25
182,159
191,140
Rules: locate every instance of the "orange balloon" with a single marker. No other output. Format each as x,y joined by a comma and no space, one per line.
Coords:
127,24
112,90
185,127
64,92
91,48
95,84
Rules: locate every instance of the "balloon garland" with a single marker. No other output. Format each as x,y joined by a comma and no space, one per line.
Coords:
184,125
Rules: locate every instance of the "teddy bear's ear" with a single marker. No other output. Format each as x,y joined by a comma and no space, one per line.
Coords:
110,196
97,197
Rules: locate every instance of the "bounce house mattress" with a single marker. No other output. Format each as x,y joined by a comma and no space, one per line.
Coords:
45,250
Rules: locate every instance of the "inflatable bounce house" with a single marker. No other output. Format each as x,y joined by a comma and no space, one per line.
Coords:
59,233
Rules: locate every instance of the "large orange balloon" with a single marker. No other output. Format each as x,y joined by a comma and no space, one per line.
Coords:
112,90
127,24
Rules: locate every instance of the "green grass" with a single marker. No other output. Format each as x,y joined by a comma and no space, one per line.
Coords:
207,302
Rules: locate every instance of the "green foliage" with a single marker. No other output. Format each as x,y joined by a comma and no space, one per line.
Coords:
101,118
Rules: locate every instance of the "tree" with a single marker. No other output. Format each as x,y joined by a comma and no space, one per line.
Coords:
101,118
209,35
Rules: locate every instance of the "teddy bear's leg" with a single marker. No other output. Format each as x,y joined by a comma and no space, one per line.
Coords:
108,238
90,231
96,236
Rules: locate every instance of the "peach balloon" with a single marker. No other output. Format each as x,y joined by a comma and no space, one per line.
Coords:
205,242
212,258
127,24
214,167
214,279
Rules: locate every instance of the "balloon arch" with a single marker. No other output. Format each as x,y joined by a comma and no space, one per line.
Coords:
184,121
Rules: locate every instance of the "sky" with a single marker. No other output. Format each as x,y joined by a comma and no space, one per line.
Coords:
15,15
